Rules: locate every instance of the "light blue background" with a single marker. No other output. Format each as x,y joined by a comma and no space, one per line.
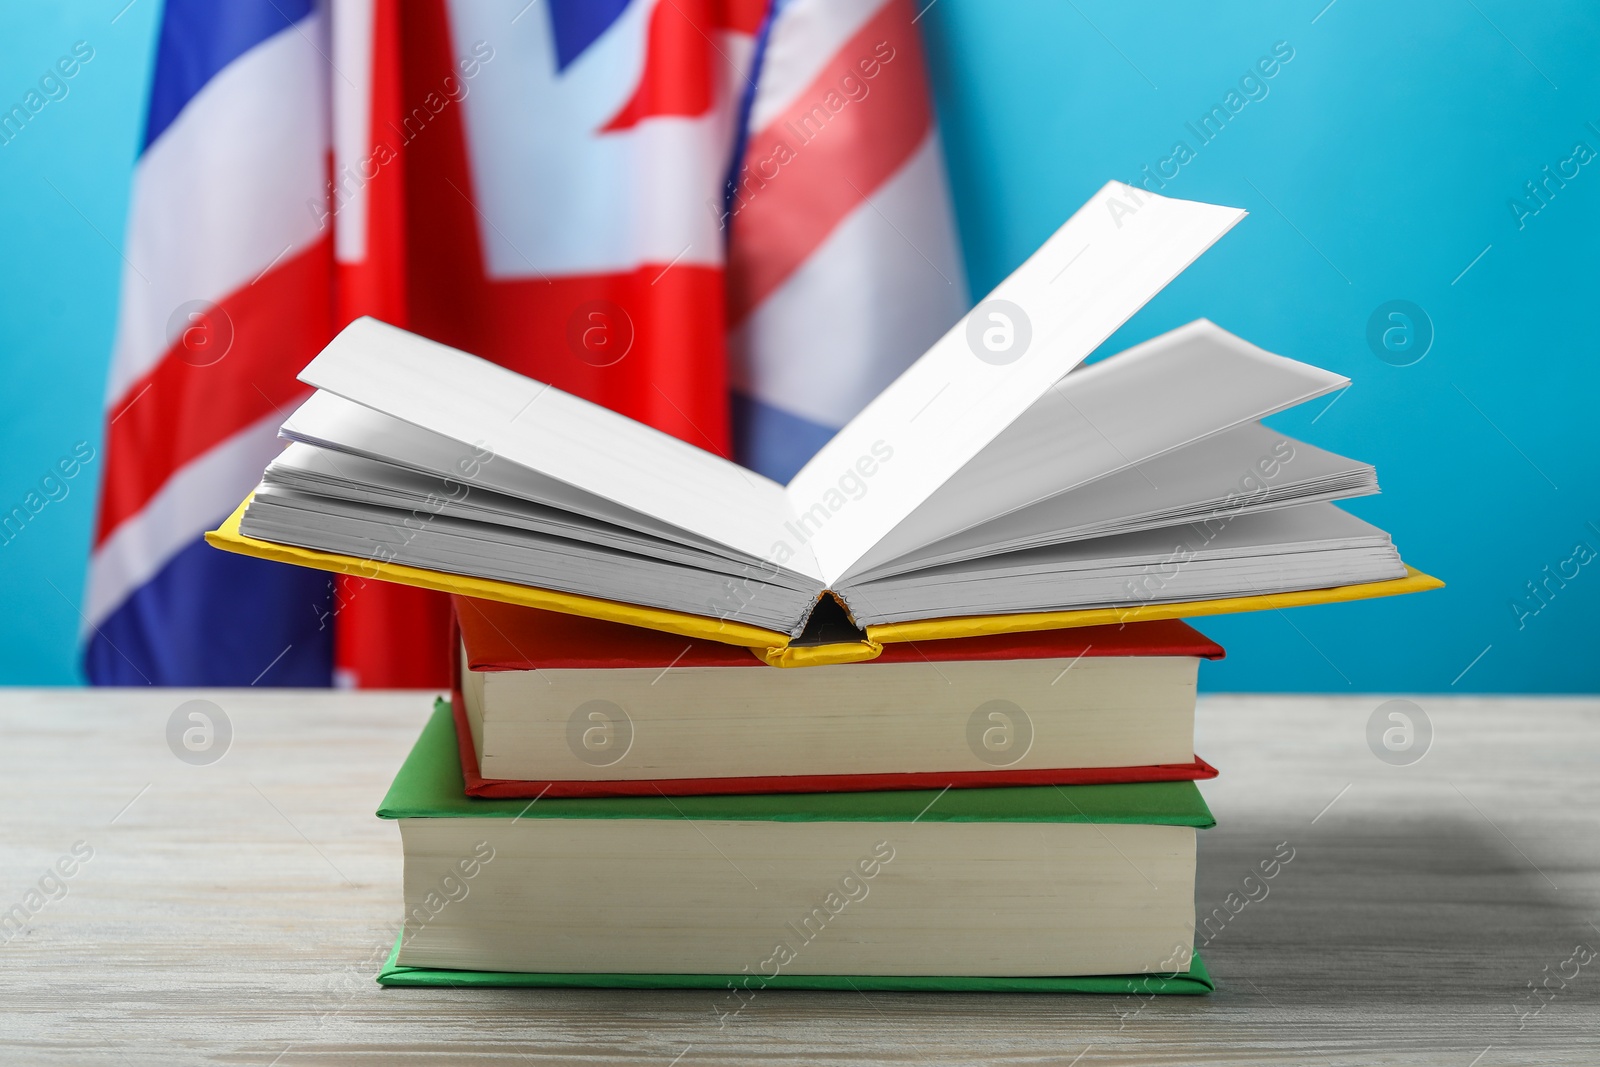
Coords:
1378,166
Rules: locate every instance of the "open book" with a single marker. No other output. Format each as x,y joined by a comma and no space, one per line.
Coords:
995,485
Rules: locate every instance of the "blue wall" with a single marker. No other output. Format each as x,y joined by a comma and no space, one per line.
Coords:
1379,165
63,204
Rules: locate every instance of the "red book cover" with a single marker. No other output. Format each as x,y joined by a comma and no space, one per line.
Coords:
506,637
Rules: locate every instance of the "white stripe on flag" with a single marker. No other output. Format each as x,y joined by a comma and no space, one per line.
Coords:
242,166
352,123
874,296
553,195
198,496
805,38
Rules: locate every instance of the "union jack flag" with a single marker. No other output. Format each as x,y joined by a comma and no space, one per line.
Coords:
654,204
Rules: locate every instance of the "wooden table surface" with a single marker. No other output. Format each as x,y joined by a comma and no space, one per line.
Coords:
233,913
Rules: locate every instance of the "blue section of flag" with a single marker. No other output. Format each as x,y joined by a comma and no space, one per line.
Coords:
772,441
215,618
577,24
199,38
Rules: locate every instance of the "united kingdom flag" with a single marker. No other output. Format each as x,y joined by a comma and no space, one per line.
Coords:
643,202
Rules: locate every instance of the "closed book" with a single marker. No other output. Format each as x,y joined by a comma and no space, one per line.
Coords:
927,888
555,705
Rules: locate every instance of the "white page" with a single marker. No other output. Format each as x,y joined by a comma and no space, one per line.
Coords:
1301,528
537,426
1168,392
524,557
331,422
1104,264
1095,572
1185,483
308,470
1308,546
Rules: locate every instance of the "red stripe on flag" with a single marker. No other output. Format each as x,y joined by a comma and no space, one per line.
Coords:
740,16
424,261
676,77
194,398
376,285
811,167
673,374
642,343
385,634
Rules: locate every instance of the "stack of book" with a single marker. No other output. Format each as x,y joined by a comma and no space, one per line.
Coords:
604,805
921,718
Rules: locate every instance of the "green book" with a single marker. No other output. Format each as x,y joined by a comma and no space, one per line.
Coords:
1039,888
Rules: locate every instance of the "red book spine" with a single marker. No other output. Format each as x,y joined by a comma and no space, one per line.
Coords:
479,786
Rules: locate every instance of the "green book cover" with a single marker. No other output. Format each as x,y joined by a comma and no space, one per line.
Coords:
430,786
1196,980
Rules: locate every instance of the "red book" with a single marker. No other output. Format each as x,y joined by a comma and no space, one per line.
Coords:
559,705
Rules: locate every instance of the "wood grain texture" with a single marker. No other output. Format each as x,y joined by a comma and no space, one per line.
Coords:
234,913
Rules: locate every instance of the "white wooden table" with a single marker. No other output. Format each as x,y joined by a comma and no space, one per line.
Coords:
233,913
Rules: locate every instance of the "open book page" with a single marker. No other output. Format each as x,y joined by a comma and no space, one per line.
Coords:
332,477
335,424
1168,392
1104,264
447,544
537,426
1309,546
1239,471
